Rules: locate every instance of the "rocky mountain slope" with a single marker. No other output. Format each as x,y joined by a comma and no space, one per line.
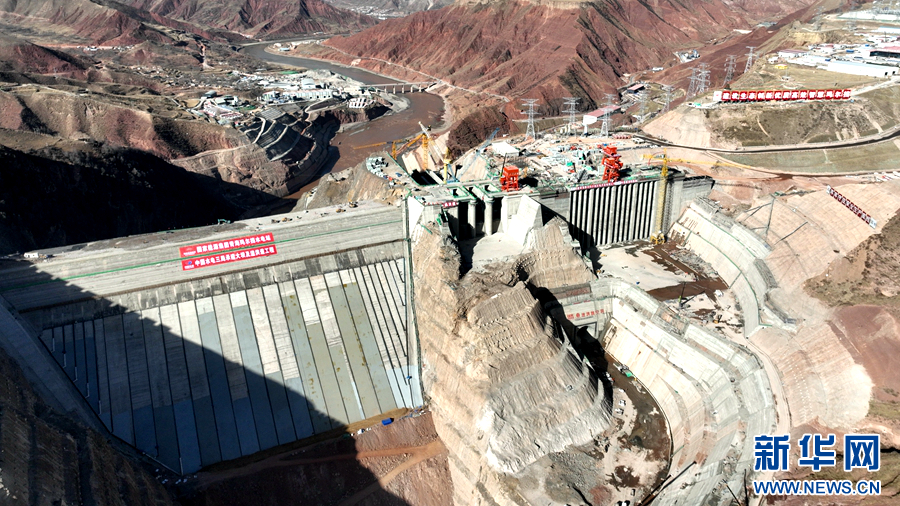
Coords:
107,22
518,48
390,8
252,18
77,192
46,458
506,387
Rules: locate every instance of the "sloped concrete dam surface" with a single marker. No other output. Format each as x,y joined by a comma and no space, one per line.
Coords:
241,359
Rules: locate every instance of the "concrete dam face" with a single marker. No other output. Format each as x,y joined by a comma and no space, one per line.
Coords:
254,354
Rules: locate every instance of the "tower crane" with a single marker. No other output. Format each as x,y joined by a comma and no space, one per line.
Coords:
659,236
650,158
393,143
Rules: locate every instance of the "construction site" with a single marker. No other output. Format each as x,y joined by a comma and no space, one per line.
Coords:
586,315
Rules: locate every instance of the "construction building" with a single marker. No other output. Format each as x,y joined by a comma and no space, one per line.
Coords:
861,68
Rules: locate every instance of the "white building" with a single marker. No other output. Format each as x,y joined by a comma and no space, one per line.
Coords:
861,69
503,148
791,53
359,103
307,84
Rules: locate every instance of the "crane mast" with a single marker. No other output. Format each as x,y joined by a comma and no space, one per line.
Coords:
659,236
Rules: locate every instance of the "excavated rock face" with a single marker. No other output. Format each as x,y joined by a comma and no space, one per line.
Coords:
46,458
506,387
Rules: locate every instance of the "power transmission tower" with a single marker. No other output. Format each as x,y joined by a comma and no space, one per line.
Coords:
692,88
604,126
570,109
703,78
730,63
699,80
642,108
667,89
530,103
750,56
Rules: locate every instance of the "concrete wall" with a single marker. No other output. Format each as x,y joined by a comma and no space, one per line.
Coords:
736,253
714,393
216,368
613,214
624,212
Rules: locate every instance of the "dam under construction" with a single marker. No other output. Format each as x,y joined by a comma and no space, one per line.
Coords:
480,303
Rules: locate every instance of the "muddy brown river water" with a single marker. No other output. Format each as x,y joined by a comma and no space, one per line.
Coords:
423,107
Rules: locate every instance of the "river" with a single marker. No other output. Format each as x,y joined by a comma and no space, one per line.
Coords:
423,107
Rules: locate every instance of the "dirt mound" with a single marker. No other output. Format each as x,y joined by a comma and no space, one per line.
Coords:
351,185
400,464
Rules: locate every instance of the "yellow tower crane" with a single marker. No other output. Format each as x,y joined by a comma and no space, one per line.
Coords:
659,237
394,143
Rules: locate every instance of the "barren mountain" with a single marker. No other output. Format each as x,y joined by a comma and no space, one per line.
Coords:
261,19
517,48
390,7
107,22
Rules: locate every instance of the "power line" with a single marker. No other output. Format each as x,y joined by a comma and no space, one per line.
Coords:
699,80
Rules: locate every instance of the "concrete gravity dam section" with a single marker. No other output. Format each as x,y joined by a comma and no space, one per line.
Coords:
194,367
205,345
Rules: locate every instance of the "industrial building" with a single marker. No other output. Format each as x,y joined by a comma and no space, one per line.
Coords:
861,68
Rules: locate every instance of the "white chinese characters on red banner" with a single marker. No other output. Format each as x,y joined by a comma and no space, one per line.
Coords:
780,95
224,258
212,247
853,207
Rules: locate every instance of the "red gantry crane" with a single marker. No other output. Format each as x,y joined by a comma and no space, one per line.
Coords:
612,163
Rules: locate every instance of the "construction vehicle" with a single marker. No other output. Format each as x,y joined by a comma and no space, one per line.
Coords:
659,237
509,181
612,163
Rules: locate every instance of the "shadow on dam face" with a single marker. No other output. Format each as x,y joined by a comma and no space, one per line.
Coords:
195,385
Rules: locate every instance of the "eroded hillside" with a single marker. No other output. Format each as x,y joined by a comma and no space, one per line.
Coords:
516,48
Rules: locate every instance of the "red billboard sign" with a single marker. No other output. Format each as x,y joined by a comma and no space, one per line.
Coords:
763,95
853,207
227,244
224,258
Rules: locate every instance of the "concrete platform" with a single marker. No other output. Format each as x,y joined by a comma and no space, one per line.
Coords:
197,367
